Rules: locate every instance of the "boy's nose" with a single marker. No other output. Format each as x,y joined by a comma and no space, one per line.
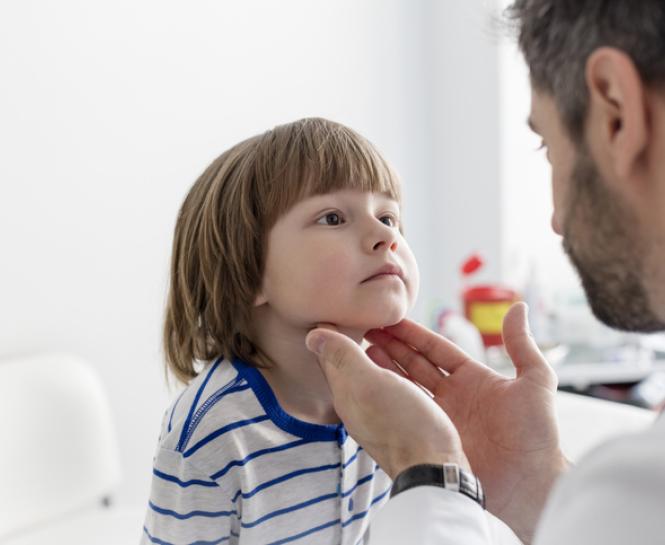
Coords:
383,239
385,244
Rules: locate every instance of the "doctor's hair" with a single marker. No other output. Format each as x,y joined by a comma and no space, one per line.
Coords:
558,36
220,239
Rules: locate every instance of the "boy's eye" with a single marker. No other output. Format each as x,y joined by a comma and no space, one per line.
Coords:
389,220
332,218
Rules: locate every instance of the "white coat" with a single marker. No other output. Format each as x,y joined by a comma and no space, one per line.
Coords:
614,496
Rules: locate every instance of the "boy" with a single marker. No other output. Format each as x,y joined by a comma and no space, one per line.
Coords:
286,230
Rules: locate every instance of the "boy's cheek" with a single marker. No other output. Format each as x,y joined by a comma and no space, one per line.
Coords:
413,288
413,274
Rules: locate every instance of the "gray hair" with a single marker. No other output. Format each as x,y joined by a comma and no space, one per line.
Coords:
558,36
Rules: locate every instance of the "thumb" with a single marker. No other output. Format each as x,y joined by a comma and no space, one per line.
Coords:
522,347
338,355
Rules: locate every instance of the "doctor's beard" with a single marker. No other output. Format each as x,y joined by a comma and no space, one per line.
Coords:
601,236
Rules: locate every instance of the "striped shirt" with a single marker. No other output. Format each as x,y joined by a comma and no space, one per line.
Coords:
233,467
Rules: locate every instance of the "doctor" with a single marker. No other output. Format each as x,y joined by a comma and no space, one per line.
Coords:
488,442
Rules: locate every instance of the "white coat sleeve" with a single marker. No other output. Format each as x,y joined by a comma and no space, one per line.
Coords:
430,515
615,496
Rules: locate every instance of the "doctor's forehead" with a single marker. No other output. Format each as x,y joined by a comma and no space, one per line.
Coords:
533,119
544,113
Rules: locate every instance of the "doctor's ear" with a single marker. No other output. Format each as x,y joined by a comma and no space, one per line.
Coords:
617,122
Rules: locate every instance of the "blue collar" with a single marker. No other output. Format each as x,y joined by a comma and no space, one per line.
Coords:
283,420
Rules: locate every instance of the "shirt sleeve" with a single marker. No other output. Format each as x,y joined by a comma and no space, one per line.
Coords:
430,515
616,495
186,505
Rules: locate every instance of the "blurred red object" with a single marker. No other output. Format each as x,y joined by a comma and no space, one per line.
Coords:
485,305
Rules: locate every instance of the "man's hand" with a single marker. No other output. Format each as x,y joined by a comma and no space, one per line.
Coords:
394,420
508,426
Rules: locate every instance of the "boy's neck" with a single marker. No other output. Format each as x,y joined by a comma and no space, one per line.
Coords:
296,377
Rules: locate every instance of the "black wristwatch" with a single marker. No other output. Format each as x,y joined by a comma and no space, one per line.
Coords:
448,476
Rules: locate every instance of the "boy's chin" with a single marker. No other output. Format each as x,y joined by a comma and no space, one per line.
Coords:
376,320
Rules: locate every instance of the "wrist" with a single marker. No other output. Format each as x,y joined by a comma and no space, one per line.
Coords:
423,458
526,505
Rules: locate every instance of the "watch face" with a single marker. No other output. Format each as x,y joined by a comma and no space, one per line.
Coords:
451,474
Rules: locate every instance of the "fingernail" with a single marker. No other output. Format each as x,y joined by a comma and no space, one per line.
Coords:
315,342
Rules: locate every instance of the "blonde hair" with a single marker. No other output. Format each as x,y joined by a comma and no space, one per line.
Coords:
220,236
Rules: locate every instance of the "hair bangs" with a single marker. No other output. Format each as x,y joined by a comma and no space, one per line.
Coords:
319,156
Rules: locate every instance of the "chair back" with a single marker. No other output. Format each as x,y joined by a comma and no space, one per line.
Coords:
58,448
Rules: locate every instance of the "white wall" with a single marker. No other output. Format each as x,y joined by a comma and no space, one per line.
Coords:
465,188
525,180
110,110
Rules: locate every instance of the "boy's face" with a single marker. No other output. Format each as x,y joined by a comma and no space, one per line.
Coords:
340,258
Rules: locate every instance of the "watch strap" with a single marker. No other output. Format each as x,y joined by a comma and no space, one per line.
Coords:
448,476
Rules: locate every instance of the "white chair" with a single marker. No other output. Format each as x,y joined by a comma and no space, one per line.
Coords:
59,459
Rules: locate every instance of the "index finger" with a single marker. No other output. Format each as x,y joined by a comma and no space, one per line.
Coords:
437,349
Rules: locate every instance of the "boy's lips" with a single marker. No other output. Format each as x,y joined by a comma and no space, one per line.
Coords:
389,269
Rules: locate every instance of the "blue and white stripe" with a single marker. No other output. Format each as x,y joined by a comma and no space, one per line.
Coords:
233,467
